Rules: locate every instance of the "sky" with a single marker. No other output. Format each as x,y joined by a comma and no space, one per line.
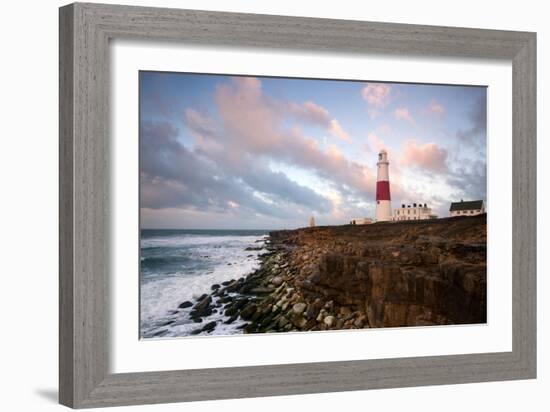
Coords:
236,152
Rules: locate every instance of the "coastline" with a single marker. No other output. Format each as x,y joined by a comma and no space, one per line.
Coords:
414,273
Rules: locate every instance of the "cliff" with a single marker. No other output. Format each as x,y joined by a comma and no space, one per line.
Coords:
380,275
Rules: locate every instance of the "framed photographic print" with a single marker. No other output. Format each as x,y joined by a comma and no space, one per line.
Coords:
257,205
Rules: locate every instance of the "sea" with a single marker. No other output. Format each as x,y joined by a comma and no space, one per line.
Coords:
181,265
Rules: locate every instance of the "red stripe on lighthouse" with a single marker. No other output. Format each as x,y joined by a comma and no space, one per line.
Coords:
383,190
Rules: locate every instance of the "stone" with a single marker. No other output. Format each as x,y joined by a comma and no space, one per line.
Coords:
202,308
298,320
321,315
248,311
329,321
209,327
261,290
185,304
358,323
277,281
345,311
299,308
231,319
282,322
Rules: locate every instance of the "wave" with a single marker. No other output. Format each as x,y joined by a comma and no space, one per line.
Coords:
182,268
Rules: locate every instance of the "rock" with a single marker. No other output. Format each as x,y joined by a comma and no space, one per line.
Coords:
231,319
261,290
277,281
345,311
248,311
312,312
185,304
282,322
298,308
250,328
209,327
409,273
202,308
321,315
298,320
215,286
358,323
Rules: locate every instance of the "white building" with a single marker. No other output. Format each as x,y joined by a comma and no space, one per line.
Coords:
469,208
415,211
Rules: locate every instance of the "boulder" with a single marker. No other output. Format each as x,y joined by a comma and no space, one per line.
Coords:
185,304
298,308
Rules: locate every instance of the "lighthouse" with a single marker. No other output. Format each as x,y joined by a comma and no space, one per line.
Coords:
383,199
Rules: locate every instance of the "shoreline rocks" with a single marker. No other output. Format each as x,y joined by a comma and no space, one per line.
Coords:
414,273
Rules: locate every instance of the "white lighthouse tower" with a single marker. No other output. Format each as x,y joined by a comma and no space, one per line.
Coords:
383,199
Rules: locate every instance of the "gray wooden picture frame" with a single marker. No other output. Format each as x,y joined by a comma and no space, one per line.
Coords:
85,32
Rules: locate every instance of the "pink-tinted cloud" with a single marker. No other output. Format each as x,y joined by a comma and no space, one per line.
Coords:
376,94
436,108
252,126
402,113
336,130
428,156
312,113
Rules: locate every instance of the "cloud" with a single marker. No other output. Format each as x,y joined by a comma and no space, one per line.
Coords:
402,113
314,114
173,176
250,157
429,156
200,124
336,130
477,115
376,94
255,125
436,108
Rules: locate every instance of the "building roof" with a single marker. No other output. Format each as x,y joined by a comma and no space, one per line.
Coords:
469,205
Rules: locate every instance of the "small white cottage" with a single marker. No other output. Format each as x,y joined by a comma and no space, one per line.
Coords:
469,208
